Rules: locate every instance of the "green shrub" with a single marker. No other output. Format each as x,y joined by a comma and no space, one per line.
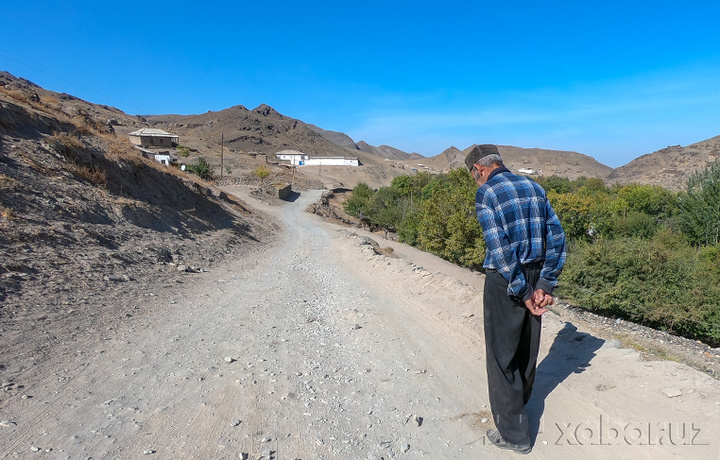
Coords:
448,226
202,168
408,230
647,282
556,184
262,172
582,217
356,205
635,224
183,151
652,200
700,207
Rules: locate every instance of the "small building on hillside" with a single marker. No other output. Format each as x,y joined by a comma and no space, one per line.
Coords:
332,161
151,137
300,159
293,156
164,157
529,171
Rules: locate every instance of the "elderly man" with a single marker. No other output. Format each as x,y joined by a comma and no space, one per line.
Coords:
525,253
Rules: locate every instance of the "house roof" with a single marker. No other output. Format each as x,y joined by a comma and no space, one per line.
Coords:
152,132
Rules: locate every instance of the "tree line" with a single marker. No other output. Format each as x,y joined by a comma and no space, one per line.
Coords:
638,252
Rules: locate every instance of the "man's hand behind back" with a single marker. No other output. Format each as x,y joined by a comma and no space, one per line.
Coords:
538,302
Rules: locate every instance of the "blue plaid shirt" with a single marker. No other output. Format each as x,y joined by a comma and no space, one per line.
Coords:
520,227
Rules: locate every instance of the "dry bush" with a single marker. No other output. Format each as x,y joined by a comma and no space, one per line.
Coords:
83,125
70,146
66,144
52,105
118,147
49,99
21,96
7,213
7,182
91,173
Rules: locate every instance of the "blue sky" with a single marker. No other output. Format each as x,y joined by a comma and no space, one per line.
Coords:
614,79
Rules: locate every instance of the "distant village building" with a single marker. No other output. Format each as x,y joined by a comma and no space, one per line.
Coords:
161,157
165,158
300,159
293,156
528,171
150,137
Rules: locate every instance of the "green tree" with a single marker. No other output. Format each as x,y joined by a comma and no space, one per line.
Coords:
700,206
583,217
382,208
644,280
556,184
652,200
409,228
402,184
356,205
634,224
183,151
411,186
202,168
262,172
590,186
449,227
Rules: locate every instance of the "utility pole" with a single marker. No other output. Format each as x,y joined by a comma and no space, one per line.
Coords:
222,155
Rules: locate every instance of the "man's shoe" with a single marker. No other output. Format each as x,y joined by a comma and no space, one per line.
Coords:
496,438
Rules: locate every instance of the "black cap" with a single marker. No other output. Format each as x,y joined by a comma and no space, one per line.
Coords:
480,151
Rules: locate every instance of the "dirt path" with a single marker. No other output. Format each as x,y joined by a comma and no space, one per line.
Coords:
319,348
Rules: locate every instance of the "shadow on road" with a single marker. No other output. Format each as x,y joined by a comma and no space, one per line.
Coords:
292,196
570,353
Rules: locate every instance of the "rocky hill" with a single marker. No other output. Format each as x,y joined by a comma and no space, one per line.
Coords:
669,167
336,137
81,210
263,131
540,161
391,153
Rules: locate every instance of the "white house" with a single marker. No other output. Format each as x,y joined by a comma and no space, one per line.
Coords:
528,171
300,159
332,161
293,156
150,137
164,158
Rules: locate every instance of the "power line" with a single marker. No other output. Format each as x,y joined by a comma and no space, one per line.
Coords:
79,85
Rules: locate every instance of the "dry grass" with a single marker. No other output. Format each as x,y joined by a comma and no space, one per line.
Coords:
70,146
51,105
118,147
47,104
51,100
20,96
8,183
649,350
7,213
84,125
92,173
66,144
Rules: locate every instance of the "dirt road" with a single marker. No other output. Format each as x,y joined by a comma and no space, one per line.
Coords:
318,348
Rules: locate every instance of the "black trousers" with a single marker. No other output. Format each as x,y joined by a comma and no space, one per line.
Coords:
512,341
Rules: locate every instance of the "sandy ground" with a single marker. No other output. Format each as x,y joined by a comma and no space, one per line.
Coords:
319,348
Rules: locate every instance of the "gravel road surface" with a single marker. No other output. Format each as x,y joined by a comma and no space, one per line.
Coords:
317,347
